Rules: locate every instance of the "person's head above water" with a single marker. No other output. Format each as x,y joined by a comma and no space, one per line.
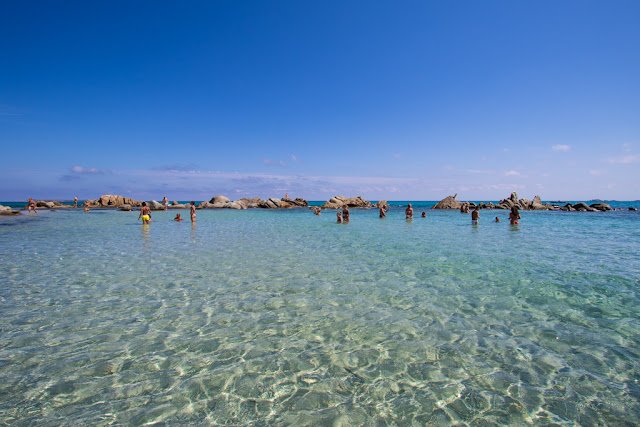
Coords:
144,203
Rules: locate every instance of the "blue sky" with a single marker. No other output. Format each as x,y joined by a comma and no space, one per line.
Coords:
411,100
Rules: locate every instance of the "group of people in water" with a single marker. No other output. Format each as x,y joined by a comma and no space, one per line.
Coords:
343,215
145,212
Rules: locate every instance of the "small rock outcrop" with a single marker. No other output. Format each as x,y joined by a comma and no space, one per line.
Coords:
298,202
448,202
601,206
155,205
6,210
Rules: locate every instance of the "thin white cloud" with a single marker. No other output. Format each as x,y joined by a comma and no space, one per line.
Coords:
481,171
561,147
512,173
274,162
295,158
397,155
80,169
626,147
596,172
630,158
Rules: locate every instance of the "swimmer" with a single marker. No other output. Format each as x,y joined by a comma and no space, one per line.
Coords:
514,216
145,213
317,211
345,213
424,214
383,211
192,212
178,217
31,205
86,209
497,219
475,215
75,202
409,211
166,203
339,217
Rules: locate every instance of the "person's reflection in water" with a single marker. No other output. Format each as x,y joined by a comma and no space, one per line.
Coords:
193,231
146,237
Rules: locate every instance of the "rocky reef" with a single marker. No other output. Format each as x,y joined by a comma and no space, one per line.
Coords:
111,201
6,210
339,202
223,202
450,202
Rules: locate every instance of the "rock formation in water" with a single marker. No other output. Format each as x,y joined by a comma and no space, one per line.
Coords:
111,201
222,202
6,210
339,201
450,202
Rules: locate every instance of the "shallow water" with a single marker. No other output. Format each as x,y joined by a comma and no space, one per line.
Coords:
281,317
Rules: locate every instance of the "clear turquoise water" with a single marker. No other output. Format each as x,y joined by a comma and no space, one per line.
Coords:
283,318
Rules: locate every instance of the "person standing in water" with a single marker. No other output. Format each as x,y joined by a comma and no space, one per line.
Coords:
345,213
339,215
409,212
193,211
383,211
166,202
475,215
31,205
75,202
145,213
514,216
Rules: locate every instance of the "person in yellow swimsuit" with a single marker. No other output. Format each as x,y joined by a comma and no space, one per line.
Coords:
145,213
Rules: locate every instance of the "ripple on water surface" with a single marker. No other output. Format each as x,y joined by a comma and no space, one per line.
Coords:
259,317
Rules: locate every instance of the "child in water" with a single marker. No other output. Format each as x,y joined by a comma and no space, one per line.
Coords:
339,215
178,217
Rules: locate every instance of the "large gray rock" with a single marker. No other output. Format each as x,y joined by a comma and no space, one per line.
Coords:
275,201
125,207
219,199
297,203
536,204
6,210
155,206
233,205
448,202
581,207
248,203
338,202
600,206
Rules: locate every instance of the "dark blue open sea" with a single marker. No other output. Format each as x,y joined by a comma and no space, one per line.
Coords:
261,317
